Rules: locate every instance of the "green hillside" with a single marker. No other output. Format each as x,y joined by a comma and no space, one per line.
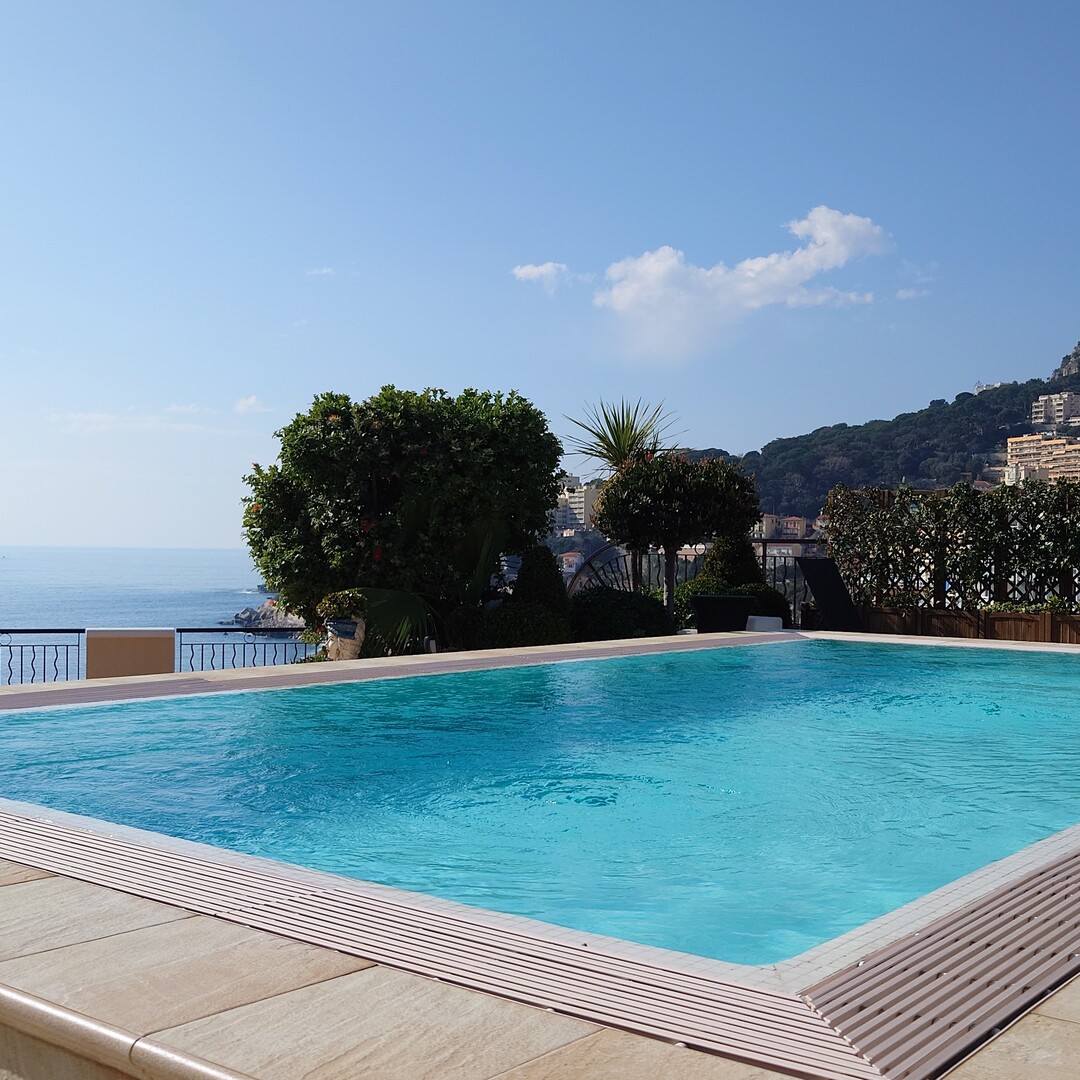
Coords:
933,447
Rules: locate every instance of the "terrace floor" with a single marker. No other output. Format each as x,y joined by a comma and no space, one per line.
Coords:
105,974
97,984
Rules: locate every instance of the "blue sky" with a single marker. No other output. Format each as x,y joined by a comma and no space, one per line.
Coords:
771,216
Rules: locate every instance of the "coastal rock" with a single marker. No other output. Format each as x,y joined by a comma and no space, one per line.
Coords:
268,616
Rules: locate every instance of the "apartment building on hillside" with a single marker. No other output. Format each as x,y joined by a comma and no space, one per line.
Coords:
1056,409
576,506
1041,457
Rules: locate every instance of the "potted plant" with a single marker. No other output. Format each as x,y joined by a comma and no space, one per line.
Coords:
344,616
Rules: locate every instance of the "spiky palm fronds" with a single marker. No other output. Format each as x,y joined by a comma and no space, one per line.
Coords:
396,620
618,435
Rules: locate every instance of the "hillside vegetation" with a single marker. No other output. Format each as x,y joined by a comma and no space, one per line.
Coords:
934,447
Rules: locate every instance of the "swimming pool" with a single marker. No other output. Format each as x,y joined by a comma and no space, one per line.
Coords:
744,803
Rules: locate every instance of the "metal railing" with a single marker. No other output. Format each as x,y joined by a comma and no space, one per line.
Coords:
781,570
213,648
59,655
40,656
611,566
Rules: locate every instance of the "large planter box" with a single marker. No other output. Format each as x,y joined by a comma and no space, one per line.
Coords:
886,621
992,625
1012,626
933,622
1065,628
714,613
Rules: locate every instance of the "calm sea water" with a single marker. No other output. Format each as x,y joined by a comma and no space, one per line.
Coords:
123,587
742,803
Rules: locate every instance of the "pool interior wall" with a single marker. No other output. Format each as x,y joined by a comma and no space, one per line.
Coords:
999,929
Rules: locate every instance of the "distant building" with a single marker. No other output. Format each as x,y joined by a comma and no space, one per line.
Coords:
1041,457
1017,474
792,527
980,387
570,562
766,527
1055,408
576,506
780,526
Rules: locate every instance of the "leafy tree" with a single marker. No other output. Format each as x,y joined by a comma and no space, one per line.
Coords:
540,581
668,501
933,447
729,562
619,436
407,492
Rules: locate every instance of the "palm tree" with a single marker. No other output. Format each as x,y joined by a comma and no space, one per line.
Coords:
617,436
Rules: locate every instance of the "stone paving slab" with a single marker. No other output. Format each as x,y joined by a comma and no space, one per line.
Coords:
100,985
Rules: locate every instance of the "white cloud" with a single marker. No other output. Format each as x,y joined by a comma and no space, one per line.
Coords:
97,423
669,306
548,274
320,271
250,405
186,409
914,276
663,278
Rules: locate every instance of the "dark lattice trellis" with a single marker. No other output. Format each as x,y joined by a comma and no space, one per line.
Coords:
960,549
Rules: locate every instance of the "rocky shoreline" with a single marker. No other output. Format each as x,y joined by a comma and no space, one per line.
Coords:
267,616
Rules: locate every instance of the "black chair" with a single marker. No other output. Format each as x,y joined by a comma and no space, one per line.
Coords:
831,596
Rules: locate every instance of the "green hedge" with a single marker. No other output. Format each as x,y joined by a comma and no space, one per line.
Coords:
511,625
603,614
959,548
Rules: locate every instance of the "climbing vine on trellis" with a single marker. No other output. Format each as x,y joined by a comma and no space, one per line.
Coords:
1016,546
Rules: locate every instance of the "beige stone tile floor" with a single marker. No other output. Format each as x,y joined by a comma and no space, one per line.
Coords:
1042,1045
99,985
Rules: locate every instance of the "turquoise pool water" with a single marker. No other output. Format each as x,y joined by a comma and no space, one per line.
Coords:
742,803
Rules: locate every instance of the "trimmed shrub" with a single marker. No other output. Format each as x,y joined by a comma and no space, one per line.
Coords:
516,625
603,614
461,628
730,561
540,581
508,626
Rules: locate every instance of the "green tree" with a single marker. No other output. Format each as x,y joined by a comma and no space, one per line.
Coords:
416,492
670,501
619,436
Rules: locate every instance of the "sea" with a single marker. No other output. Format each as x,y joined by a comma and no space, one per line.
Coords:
80,588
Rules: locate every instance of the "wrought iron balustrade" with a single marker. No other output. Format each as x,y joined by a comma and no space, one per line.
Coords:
612,566
216,648
40,656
